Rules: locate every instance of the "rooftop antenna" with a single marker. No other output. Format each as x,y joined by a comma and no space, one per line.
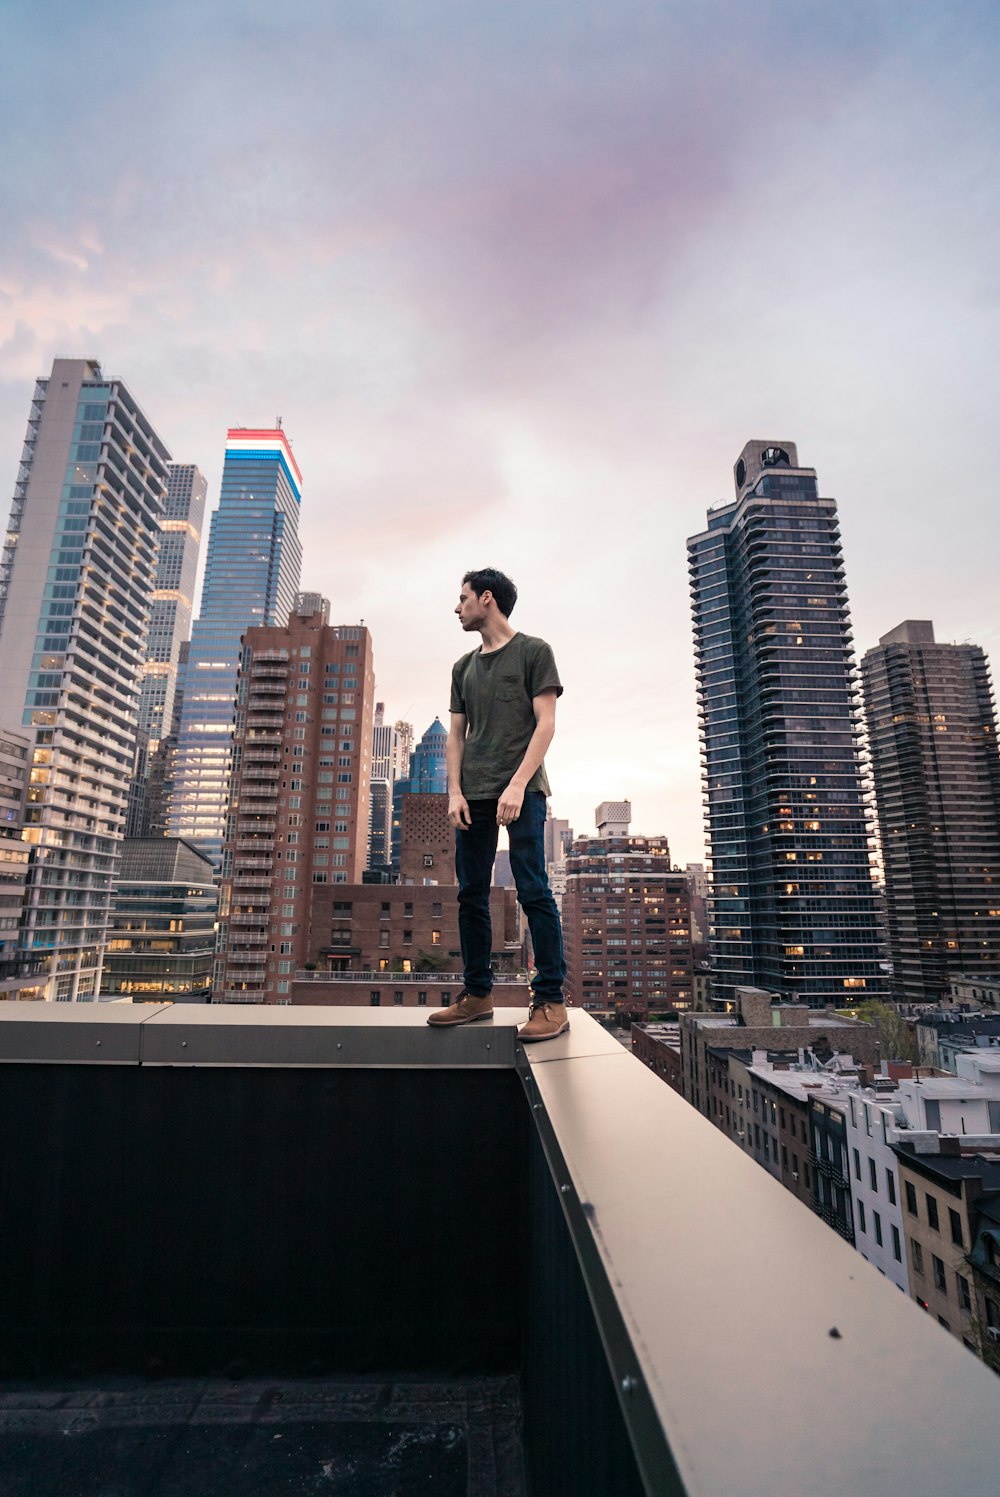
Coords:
277,422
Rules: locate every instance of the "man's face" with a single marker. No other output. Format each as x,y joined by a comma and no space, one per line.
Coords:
470,610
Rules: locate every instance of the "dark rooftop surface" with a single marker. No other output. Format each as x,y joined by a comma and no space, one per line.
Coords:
309,1250
206,1438
954,1166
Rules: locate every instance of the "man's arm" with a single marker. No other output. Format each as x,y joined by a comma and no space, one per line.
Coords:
458,807
510,803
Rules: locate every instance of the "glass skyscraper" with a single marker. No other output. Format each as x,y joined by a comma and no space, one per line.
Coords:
169,629
793,908
76,581
428,766
251,577
423,771
173,597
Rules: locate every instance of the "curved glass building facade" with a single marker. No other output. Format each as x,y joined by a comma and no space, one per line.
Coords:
251,577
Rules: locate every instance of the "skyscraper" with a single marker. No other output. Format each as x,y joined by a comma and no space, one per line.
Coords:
385,772
793,907
76,582
251,578
169,628
932,737
428,770
298,816
15,765
426,773
173,597
404,747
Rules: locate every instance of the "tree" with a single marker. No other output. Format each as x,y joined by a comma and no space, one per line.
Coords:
433,961
896,1039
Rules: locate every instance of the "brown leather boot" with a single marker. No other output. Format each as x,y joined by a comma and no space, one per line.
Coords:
465,1010
545,1021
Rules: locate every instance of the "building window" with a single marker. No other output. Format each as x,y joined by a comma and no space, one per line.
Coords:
932,1211
857,1164
383,938
896,1250
397,996
939,1278
877,1222
917,1254
890,1186
956,1228
873,1176
407,938
422,997
374,997
861,1216
435,938
911,1198
964,1297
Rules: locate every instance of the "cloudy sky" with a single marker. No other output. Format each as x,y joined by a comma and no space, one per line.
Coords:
521,280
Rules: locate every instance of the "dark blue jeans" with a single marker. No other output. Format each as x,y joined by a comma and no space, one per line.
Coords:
475,850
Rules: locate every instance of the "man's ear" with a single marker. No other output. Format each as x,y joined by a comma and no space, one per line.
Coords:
486,596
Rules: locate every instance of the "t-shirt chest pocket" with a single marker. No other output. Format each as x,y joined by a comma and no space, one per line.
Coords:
509,688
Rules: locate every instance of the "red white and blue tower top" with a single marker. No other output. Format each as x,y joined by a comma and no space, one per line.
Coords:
248,442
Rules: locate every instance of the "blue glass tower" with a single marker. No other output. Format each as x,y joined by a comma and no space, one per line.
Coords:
428,767
793,908
427,775
251,577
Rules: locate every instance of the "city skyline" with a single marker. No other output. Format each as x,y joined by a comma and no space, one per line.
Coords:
252,569
546,278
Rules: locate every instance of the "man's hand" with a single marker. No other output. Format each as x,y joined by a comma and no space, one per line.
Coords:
509,805
458,811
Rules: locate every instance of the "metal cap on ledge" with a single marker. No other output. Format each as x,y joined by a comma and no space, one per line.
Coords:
184,1034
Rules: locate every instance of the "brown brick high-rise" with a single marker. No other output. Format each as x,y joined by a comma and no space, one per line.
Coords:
626,926
299,802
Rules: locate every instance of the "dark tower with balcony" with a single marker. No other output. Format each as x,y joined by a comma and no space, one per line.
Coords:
793,908
932,735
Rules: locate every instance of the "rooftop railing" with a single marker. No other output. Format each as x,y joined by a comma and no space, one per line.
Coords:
345,1190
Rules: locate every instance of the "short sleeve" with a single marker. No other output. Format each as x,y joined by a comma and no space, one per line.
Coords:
457,684
542,673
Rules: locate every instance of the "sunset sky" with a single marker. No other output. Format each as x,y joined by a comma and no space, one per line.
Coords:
521,279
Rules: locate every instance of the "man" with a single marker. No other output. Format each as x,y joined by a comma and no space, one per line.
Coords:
503,717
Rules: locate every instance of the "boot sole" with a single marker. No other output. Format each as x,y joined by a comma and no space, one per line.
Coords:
454,1023
533,1039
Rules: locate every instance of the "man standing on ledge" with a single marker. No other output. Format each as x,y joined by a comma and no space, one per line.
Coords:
503,717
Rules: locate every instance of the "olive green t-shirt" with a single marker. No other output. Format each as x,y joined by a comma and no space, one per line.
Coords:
494,691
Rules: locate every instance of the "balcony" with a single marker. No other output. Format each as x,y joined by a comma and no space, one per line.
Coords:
292,1309
829,1169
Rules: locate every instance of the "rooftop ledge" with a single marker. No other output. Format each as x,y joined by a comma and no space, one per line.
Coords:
750,1349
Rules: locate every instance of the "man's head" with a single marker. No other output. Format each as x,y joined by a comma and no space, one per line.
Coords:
485,593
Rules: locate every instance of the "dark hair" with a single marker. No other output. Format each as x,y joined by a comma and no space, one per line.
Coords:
488,579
